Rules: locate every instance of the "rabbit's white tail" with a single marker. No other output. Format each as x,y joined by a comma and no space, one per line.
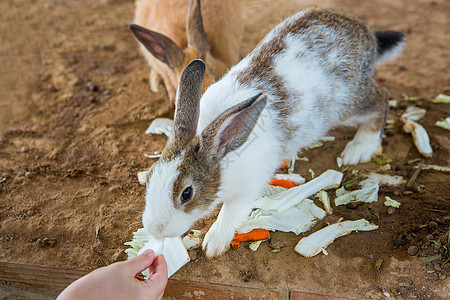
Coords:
389,45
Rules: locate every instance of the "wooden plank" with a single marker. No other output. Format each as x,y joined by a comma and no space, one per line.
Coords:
297,295
59,278
48,277
207,291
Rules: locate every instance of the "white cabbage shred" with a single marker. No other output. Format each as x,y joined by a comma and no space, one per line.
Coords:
323,196
173,250
255,245
441,98
413,113
340,161
291,197
420,137
294,177
297,219
319,240
391,202
193,240
142,177
368,193
383,179
159,126
444,124
434,167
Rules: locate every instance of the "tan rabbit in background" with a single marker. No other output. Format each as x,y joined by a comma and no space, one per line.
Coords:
174,32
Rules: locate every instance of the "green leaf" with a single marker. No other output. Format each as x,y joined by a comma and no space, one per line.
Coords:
373,212
381,159
431,258
353,181
413,161
378,264
385,167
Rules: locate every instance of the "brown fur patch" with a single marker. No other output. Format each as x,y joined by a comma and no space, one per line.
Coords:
198,169
187,110
172,150
382,109
261,68
358,45
195,32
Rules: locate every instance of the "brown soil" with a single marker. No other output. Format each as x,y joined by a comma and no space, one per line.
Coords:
74,105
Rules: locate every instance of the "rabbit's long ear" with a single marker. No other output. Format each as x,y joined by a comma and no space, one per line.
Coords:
187,101
195,31
162,47
231,129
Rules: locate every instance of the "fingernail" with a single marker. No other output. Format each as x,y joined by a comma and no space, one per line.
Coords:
148,252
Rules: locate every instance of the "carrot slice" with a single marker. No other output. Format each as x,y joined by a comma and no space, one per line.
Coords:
254,235
235,244
284,164
283,183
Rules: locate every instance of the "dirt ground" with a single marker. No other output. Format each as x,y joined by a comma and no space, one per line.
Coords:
74,105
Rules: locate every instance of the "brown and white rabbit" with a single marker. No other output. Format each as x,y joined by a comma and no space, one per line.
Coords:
312,72
172,33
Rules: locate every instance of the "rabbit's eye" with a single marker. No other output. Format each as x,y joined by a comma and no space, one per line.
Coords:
186,195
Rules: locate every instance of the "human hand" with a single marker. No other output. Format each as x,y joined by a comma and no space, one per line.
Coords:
119,281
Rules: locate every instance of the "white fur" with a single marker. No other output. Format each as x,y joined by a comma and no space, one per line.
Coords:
161,218
364,143
390,54
361,148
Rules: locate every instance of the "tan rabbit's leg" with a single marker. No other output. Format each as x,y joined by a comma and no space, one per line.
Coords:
171,88
368,136
154,80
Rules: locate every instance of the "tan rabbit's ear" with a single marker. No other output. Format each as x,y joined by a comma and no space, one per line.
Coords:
160,46
196,35
187,101
231,129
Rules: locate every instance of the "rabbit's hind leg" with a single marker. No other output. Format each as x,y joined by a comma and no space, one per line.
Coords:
371,126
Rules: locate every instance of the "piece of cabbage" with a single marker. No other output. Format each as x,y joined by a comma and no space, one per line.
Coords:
319,240
368,194
297,219
420,137
173,250
291,197
160,126
391,202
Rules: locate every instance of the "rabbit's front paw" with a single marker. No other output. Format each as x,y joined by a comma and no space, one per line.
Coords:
361,148
217,240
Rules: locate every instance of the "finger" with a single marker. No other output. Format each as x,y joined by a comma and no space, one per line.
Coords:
150,270
160,266
160,274
140,263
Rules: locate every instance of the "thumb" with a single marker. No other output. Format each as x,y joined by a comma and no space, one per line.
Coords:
140,263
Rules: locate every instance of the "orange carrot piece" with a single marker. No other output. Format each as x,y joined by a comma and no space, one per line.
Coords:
283,183
235,244
254,235
284,164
